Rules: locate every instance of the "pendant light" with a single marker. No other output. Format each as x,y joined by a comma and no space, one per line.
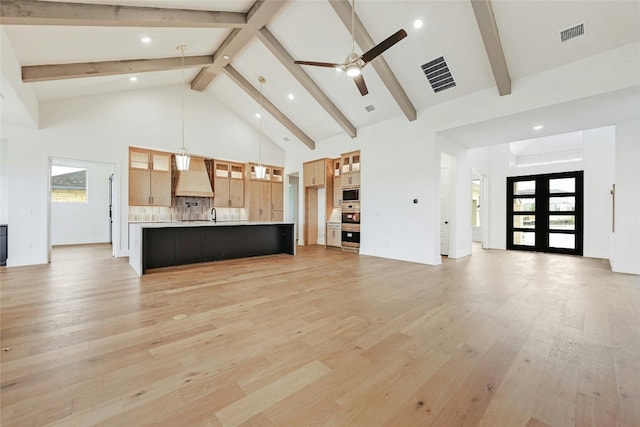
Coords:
182,156
261,169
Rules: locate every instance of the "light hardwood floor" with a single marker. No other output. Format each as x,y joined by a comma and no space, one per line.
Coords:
323,338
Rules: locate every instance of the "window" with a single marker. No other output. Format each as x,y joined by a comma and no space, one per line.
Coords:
68,184
544,213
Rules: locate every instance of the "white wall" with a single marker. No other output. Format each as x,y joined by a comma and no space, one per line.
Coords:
599,152
400,159
598,165
77,223
398,163
626,239
19,104
100,129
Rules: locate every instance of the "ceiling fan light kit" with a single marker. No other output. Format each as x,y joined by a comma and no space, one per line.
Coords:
354,63
353,70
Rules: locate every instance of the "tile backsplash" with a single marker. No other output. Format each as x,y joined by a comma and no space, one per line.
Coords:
185,208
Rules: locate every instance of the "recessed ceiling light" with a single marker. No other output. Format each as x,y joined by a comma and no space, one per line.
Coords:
133,79
226,57
258,115
538,127
146,39
417,23
290,97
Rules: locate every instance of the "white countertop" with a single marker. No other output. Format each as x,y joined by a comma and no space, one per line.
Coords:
204,223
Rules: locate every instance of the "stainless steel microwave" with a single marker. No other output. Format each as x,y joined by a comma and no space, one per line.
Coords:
350,194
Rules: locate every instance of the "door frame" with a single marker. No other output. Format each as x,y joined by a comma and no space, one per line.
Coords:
484,207
292,193
542,212
115,197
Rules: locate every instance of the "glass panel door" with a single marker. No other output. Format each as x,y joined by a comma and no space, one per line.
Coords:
544,212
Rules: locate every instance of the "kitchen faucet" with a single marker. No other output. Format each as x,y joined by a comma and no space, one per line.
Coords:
214,215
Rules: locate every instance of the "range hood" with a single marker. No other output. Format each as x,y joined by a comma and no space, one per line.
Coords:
194,182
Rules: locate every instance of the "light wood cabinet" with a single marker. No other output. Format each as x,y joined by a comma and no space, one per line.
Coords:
334,235
228,184
337,185
277,191
315,173
149,178
259,200
350,176
264,197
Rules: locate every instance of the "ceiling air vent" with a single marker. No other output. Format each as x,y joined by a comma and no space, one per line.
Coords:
438,74
571,33
369,108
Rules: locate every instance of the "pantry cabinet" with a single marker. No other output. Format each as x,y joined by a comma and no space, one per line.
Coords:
264,197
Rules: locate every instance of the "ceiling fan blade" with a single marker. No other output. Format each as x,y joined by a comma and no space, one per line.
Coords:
317,64
362,87
372,53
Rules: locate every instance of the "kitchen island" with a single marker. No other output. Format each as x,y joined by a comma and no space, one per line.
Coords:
164,244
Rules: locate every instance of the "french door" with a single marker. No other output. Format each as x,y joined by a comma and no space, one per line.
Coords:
544,213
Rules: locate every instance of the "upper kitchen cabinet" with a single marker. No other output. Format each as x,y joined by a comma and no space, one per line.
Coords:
350,169
149,177
317,172
228,184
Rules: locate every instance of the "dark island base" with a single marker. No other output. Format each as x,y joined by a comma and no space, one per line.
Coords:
164,247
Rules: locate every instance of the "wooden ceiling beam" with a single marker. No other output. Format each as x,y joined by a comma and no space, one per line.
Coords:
28,12
491,39
364,40
305,80
41,73
260,13
268,106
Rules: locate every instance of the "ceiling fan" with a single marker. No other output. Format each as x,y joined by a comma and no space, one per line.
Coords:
354,63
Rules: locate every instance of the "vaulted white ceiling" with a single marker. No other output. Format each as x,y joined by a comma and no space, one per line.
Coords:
312,30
